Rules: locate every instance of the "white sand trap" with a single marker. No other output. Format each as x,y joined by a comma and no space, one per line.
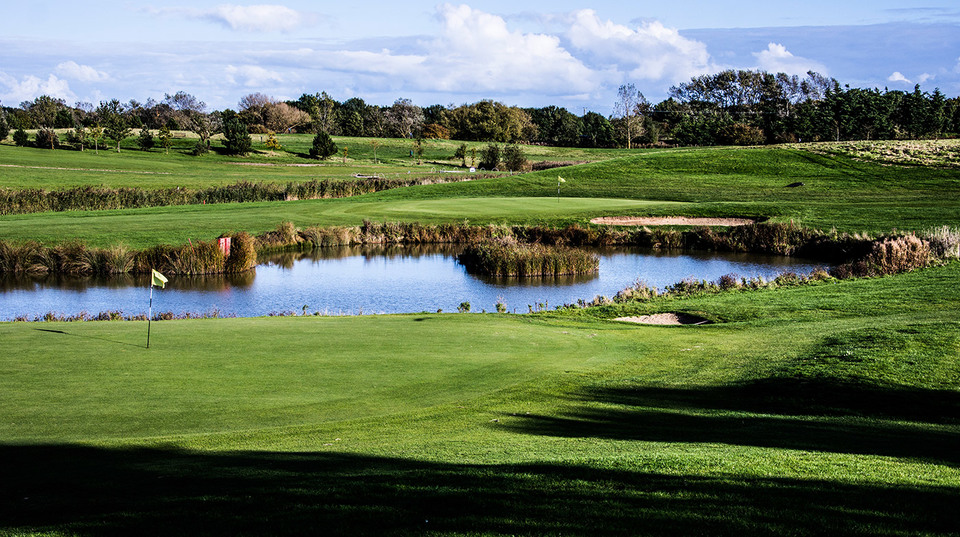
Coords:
664,319
670,221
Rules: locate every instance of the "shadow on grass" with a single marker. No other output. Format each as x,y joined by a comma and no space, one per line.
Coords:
63,333
779,413
93,491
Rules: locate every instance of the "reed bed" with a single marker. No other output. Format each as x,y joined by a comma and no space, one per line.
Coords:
92,198
507,257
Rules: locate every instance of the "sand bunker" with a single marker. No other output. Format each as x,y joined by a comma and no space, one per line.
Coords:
670,221
665,319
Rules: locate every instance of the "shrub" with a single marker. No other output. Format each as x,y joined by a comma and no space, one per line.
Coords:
490,157
4,127
145,140
507,257
243,254
464,307
47,139
461,153
323,146
236,138
514,159
20,137
741,134
944,242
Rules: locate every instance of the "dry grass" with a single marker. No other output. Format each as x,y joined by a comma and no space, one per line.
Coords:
936,153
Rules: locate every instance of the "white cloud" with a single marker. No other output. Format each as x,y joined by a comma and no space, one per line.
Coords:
258,18
650,52
474,52
924,77
81,73
897,76
252,76
777,59
31,87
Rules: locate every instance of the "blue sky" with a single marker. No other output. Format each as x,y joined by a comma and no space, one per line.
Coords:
572,53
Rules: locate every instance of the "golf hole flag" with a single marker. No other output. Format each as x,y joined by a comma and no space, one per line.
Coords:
158,279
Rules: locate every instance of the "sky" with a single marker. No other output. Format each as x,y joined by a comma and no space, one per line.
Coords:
524,53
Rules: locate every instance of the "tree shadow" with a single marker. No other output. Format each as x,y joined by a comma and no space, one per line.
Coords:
94,491
777,413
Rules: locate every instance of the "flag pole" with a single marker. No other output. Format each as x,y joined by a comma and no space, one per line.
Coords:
150,314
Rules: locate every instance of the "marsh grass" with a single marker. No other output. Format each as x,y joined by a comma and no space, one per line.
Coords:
90,198
508,257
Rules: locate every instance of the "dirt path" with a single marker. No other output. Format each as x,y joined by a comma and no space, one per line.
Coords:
82,169
670,221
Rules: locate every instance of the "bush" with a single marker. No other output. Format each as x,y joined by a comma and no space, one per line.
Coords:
145,140
461,153
514,159
4,127
741,134
20,137
47,139
323,146
236,138
490,157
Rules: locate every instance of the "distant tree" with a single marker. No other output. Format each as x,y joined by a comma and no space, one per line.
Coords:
418,150
405,119
4,127
191,113
630,103
165,137
597,131
115,126
514,159
43,111
376,145
20,137
145,139
280,117
461,153
236,138
436,131
96,134
490,157
79,136
46,139
323,146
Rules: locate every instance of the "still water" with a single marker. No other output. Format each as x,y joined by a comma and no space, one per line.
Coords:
373,279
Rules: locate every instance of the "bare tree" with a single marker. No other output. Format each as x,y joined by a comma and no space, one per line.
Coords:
630,104
191,113
281,116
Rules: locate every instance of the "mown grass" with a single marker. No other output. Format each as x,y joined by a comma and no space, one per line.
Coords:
799,407
838,192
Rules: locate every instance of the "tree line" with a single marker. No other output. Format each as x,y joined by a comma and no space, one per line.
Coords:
733,107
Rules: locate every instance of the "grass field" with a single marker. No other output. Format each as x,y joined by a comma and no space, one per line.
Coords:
826,409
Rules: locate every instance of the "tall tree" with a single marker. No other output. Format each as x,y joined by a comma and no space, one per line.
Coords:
236,137
115,126
628,106
191,113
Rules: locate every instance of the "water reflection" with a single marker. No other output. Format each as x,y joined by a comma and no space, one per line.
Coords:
372,279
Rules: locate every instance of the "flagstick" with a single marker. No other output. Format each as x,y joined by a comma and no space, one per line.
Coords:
149,315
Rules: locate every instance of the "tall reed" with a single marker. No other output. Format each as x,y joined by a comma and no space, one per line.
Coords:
507,257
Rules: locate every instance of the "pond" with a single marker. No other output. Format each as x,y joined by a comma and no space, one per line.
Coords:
373,279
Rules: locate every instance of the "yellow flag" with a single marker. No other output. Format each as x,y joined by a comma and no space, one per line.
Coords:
561,179
158,279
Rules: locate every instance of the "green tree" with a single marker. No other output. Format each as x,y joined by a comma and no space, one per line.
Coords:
4,127
115,126
514,159
79,136
165,137
20,137
490,157
96,133
236,137
323,146
145,140
47,138
461,153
